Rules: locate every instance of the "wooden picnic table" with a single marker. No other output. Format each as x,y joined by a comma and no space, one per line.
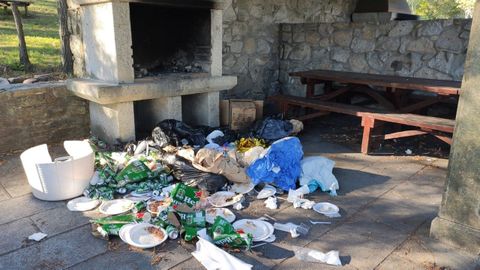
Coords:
391,92
6,3
396,88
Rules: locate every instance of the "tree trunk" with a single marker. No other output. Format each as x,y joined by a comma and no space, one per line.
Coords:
21,38
67,57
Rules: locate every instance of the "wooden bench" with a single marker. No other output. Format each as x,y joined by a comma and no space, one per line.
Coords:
425,124
324,107
372,119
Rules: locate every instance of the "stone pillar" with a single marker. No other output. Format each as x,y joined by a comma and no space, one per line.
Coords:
458,221
113,122
216,33
108,42
108,57
202,109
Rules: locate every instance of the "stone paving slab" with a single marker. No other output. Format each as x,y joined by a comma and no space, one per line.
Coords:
422,252
398,217
24,206
363,243
353,181
59,220
14,235
3,194
395,167
59,252
190,264
17,184
121,256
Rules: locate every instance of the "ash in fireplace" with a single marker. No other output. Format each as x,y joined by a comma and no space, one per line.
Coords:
180,62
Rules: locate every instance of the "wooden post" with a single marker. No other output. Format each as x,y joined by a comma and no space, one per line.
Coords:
24,60
67,57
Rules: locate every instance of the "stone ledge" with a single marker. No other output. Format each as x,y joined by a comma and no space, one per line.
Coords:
19,90
465,237
211,4
149,88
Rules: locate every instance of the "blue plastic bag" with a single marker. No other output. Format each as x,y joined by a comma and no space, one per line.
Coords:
280,165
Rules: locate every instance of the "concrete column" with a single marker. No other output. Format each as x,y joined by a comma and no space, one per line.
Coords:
151,112
108,42
216,33
113,122
202,109
458,221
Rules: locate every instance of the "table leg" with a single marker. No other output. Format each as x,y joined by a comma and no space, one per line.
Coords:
310,89
368,124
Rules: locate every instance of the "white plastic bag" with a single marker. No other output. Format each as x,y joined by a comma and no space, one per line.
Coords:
319,169
214,258
311,255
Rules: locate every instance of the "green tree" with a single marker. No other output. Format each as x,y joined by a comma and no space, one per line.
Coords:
442,9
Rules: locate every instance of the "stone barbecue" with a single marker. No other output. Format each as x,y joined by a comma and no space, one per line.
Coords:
150,60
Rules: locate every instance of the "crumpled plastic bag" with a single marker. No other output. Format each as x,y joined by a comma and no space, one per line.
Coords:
273,129
177,132
252,154
185,172
280,164
160,138
310,255
214,258
245,144
297,126
209,160
319,169
214,135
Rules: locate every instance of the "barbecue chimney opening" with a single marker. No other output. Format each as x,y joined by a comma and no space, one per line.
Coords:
170,39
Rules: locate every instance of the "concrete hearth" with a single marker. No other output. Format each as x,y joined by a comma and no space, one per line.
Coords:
157,98
125,40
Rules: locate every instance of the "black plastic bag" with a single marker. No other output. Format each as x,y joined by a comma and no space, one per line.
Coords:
228,137
185,172
177,131
273,129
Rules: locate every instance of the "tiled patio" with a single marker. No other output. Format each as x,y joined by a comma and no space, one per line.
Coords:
387,204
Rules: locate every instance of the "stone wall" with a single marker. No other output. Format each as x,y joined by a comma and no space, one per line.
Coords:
251,38
424,49
41,113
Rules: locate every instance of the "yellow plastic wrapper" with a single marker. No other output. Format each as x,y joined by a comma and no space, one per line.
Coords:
245,144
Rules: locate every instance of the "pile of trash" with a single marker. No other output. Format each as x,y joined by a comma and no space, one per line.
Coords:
180,182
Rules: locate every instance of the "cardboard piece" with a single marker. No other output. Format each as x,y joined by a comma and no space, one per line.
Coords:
240,113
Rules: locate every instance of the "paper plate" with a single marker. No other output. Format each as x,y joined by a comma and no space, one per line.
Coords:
160,208
115,207
242,188
82,204
212,213
135,198
260,230
137,235
266,192
224,199
326,208
144,194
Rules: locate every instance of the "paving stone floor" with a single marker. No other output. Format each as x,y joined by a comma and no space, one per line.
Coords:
387,204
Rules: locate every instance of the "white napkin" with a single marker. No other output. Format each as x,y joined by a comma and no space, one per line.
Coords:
37,236
214,258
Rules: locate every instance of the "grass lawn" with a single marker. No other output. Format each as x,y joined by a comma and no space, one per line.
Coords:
41,35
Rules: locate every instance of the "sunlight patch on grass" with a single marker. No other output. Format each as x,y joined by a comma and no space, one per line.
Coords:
41,35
